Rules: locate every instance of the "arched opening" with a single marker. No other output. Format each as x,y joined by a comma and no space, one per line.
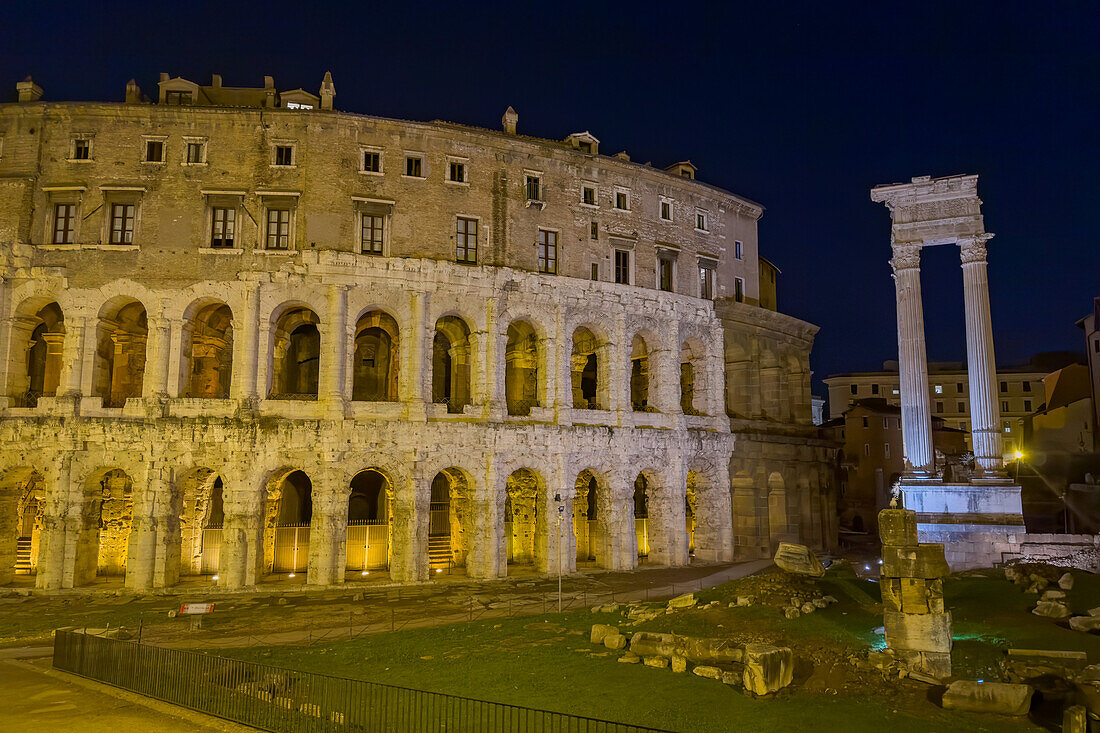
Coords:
521,375
448,517
692,378
119,369
202,512
522,519
37,339
208,352
21,500
375,365
287,516
587,373
639,375
641,514
590,500
691,506
857,523
107,518
296,352
452,356
368,540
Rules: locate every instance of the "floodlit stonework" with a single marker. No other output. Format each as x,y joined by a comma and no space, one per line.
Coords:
244,334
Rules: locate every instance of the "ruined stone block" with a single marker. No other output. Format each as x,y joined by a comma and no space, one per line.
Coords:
927,632
1001,698
914,561
897,527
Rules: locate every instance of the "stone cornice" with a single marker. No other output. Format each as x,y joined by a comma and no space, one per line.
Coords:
762,318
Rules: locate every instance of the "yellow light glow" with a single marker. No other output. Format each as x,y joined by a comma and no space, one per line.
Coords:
366,573
291,575
1017,455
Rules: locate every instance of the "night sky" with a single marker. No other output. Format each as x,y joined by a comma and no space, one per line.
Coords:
802,109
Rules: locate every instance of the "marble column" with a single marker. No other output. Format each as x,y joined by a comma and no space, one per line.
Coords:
985,414
916,415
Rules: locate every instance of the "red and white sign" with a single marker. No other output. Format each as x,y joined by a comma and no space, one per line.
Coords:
191,609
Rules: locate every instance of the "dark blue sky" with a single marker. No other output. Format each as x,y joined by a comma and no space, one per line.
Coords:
802,108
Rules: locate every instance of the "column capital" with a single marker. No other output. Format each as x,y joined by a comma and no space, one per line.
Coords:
972,249
906,257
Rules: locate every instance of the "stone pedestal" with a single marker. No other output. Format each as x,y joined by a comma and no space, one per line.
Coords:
918,628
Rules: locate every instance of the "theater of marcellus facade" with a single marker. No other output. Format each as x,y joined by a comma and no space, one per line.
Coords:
244,334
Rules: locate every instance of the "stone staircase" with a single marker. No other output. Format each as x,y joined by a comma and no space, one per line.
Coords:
439,551
23,555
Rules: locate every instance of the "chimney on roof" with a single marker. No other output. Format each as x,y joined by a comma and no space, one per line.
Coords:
269,89
164,76
216,80
133,92
328,91
28,91
509,121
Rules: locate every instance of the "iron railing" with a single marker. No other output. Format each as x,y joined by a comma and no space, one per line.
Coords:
288,701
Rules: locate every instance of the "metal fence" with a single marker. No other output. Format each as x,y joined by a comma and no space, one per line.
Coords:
284,700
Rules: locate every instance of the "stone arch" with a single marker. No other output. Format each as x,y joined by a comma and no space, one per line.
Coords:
640,502
594,519
287,515
201,495
589,369
694,386
369,533
35,353
708,513
525,518
207,350
118,371
452,363
521,371
449,522
106,520
376,365
296,353
639,375
22,499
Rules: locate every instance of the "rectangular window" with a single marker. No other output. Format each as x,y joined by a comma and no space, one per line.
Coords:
122,223
701,221
622,266
706,280
666,210
739,290
622,201
534,188
177,98
414,167
372,161
196,153
1004,386
959,387
1027,405
885,423
466,238
886,450
1004,405
595,271
855,389
82,149
223,227
154,151
278,228
1027,386
594,231
456,172
867,449
939,406
961,407
664,274
372,231
548,252
64,222
865,422
284,155
938,389
874,389
739,252
588,195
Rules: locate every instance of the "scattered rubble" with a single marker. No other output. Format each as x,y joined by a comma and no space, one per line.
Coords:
1003,698
798,559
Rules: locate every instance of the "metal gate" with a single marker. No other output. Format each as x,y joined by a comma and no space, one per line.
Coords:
291,549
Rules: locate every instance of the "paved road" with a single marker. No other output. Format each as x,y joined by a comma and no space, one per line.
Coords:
36,699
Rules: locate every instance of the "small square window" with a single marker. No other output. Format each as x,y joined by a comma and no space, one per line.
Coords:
739,253
666,210
154,151
82,149
588,195
533,186
622,266
456,172
701,221
372,161
196,153
548,252
594,231
223,227
372,234
466,239
939,389
284,155
414,166
622,201
122,223
64,223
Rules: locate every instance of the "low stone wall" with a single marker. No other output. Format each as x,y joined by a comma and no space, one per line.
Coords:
968,550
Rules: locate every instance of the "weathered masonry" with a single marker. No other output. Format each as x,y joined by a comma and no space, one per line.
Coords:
244,334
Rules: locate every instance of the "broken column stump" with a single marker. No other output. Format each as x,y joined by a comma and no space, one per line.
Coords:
918,628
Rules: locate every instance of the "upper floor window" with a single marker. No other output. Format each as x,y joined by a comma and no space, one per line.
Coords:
154,151
874,389
372,161
961,407
855,389
706,279
622,200
1027,405
64,223
278,228
739,289
595,271
938,389
594,231
456,172
466,240
1004,408
81,149
622,266
196,152
372,234
1004,386
1027,386
548,252
284,155
739,249
533,187
122,223
666,210
665,268
939,406
701,221
223,227
414,166
588,195
177,97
